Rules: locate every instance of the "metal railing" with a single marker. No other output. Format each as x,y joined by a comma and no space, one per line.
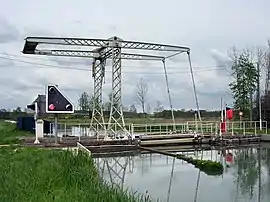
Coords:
169,128
246,127
83,148
207,127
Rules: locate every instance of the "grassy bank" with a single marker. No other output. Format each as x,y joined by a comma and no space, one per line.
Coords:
29,174
9,133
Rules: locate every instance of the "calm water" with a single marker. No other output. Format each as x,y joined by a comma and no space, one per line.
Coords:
173,180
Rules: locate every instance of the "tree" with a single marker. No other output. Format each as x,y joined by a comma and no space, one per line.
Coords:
125,109
266,96
244,82
115,102
84,101
141,93
107,106
261,63
159,107
91,102
18,109
148,109
132,109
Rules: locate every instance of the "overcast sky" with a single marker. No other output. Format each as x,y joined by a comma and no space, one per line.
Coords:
208,27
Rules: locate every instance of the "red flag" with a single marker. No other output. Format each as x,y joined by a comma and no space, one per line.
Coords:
229,113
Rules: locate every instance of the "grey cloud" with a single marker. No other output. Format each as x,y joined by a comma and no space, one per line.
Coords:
197,29
220,58
112,28
5,62
37,31
70,61
8,32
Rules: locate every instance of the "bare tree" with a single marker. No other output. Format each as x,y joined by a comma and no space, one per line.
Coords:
132,109
141,93
148,109
261,64
159,107
267,68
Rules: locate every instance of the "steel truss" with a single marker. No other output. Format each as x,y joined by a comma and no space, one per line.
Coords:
107,49
98,72
116,168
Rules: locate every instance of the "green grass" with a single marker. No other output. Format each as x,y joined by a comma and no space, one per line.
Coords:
9,133
39,175
206,166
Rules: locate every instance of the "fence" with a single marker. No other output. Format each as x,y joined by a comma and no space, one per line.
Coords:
247,127
169,128
207,127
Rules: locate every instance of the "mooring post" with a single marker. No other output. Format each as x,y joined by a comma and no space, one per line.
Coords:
80,133
255,129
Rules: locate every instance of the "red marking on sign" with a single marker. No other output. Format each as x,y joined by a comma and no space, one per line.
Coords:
51,107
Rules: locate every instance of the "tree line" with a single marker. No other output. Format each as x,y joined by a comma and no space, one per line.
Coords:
86,101
248,68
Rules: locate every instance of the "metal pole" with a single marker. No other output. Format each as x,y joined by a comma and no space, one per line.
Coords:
259,95
195,91
55,128
225,116
221,114
169,94
36,118
196,122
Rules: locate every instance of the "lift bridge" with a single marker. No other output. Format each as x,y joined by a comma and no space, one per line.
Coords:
108,49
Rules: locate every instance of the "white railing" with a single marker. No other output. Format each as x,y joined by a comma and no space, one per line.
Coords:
246,127
83,148
83,129
168,128
208,127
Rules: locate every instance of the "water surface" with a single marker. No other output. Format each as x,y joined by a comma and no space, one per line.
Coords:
173,180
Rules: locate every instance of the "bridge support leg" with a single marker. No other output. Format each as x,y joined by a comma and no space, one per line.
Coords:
116,119
97,124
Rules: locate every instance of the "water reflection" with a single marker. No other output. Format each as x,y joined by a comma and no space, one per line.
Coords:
245,178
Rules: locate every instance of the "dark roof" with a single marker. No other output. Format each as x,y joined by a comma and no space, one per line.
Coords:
40,98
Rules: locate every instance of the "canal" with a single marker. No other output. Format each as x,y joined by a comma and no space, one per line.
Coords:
246,176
